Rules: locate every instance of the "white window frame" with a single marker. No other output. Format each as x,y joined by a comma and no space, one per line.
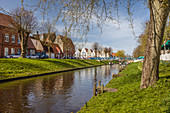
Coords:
6,37
6,51
13,39
12,51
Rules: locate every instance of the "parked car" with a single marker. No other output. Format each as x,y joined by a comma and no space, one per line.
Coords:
13,56
44,56
32,56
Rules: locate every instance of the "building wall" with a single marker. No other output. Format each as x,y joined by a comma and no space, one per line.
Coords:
9,44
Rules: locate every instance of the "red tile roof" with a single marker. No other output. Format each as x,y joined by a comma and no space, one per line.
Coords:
30,45
56,48
86,49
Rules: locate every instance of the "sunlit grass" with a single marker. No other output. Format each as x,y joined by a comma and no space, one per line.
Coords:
12,68
130,98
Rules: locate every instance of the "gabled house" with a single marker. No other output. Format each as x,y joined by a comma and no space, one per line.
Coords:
84,53
98,54
78,53
89,53
103,53
31,50
66,45
92,53
38,46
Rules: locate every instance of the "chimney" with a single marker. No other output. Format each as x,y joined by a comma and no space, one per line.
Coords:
37,33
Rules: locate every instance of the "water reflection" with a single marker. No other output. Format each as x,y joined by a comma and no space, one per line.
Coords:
58,93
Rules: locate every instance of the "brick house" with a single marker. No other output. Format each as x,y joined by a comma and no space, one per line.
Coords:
66,45
9,42
42,45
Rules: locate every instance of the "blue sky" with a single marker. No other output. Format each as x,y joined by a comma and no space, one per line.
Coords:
112,36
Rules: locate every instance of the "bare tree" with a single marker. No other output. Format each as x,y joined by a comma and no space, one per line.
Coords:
49,36
109,51
23,22
95,47
105,51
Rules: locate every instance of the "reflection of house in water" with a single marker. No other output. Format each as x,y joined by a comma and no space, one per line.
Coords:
64,81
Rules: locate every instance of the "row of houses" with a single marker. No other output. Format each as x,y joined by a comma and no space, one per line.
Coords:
37,44
85,53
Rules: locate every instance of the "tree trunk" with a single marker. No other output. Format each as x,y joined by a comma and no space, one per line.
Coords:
49,52
23,47
158,17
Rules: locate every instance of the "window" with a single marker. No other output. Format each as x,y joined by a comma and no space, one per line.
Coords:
18,41
12,50
6,51
6,37
32,52
13,39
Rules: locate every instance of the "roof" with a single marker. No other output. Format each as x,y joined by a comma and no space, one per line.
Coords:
56,48
79,50
113,54
30,44
37,44
52,37
66,39
86,49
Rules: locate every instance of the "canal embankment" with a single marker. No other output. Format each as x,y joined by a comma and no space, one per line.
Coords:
129,97
20,68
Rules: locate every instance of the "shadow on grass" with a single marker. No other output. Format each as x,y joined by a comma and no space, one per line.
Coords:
168,77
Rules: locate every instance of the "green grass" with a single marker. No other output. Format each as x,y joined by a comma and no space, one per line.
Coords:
130,98
12,68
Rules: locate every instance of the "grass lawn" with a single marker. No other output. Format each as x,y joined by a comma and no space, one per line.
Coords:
12,68
130,98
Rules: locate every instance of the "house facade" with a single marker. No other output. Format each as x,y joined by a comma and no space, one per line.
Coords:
9,41
84,52
66,45
78,53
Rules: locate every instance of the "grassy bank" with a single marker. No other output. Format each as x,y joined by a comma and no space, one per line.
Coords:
13,68
130,98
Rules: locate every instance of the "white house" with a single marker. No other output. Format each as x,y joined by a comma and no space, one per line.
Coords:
92,53
78,53
84,53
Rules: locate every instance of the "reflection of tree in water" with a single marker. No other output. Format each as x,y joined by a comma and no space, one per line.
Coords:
58,83
95,74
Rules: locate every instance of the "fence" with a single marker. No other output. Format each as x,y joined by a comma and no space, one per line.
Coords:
165,57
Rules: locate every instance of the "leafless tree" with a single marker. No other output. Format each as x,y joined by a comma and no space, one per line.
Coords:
23,22
109,51
105,51
95,47
48,28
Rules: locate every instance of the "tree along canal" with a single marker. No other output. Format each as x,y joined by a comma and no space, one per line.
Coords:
58,93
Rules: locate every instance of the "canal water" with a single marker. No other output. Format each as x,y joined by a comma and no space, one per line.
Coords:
58,93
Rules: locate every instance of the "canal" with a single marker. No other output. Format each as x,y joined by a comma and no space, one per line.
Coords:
58,93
